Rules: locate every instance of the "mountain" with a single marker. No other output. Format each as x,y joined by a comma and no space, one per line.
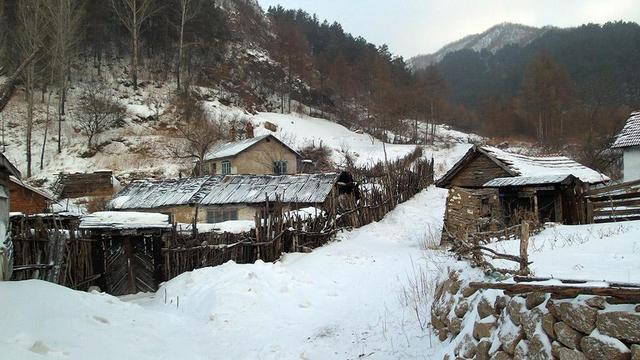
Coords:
602,63
494,39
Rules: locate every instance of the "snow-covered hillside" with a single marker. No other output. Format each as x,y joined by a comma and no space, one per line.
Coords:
493,39
139,148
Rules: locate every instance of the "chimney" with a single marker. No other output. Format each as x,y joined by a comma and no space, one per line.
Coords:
249,130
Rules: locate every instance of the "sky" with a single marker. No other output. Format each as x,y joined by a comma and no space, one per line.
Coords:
412,27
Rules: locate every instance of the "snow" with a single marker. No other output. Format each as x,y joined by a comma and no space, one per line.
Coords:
597,252
538,166
231,226
298,131
125,220
340,301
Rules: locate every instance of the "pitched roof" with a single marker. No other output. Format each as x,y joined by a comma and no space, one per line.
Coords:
518,165
529,181
223,190
255,189
234,148
40,192
5,163
630,134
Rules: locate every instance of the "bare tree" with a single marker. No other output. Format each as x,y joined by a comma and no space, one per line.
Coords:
188,11
66,18
97,112
133,14
198,136
31,36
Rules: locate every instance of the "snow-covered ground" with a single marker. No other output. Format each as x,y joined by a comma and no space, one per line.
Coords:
596,252
342,301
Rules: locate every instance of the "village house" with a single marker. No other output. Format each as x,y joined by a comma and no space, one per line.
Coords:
492,189
260,155
27,199
215,199
7,170
628,140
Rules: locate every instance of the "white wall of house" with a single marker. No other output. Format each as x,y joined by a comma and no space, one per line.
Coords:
631,170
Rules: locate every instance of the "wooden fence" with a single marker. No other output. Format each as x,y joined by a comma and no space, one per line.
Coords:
614,203
55,249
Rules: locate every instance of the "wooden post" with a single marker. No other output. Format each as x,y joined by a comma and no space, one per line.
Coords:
589,212
524,246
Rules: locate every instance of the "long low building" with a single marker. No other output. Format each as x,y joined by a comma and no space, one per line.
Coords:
214,199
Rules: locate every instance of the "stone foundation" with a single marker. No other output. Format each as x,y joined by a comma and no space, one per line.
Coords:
488,324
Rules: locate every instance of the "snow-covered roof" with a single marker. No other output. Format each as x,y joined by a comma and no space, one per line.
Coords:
530,166
222,190
528,180
124,220
255,189
47,195
517,165
234,148
152,194
630,134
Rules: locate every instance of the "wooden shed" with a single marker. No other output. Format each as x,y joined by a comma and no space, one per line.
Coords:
27,199
493,189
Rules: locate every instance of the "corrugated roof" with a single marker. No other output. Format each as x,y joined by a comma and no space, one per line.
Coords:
536,166
235,148
630,134
152,194
222,190
528,180
253,189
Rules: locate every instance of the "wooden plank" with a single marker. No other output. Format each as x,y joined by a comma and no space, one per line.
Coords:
564,290
611,188
617,203
624,196
614,213
520,279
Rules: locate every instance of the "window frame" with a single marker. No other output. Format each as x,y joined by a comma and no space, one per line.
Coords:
279,166
225,167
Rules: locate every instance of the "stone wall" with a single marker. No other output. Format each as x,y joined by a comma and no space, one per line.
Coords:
488,324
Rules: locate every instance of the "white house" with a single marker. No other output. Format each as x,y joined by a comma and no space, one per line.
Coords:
629,141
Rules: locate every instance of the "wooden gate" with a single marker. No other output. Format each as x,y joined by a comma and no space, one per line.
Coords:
132,264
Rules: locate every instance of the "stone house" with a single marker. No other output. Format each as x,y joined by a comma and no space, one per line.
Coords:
7,170
260,155
628,140
27,199
215,199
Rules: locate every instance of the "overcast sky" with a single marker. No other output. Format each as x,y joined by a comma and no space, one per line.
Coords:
412,27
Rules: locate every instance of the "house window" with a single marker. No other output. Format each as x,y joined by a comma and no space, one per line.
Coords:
280,167
226,167
220,215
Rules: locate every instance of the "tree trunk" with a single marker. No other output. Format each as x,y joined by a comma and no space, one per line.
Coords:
29,129
134,39
180,46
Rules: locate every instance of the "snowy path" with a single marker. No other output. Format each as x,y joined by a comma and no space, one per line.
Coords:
340,302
